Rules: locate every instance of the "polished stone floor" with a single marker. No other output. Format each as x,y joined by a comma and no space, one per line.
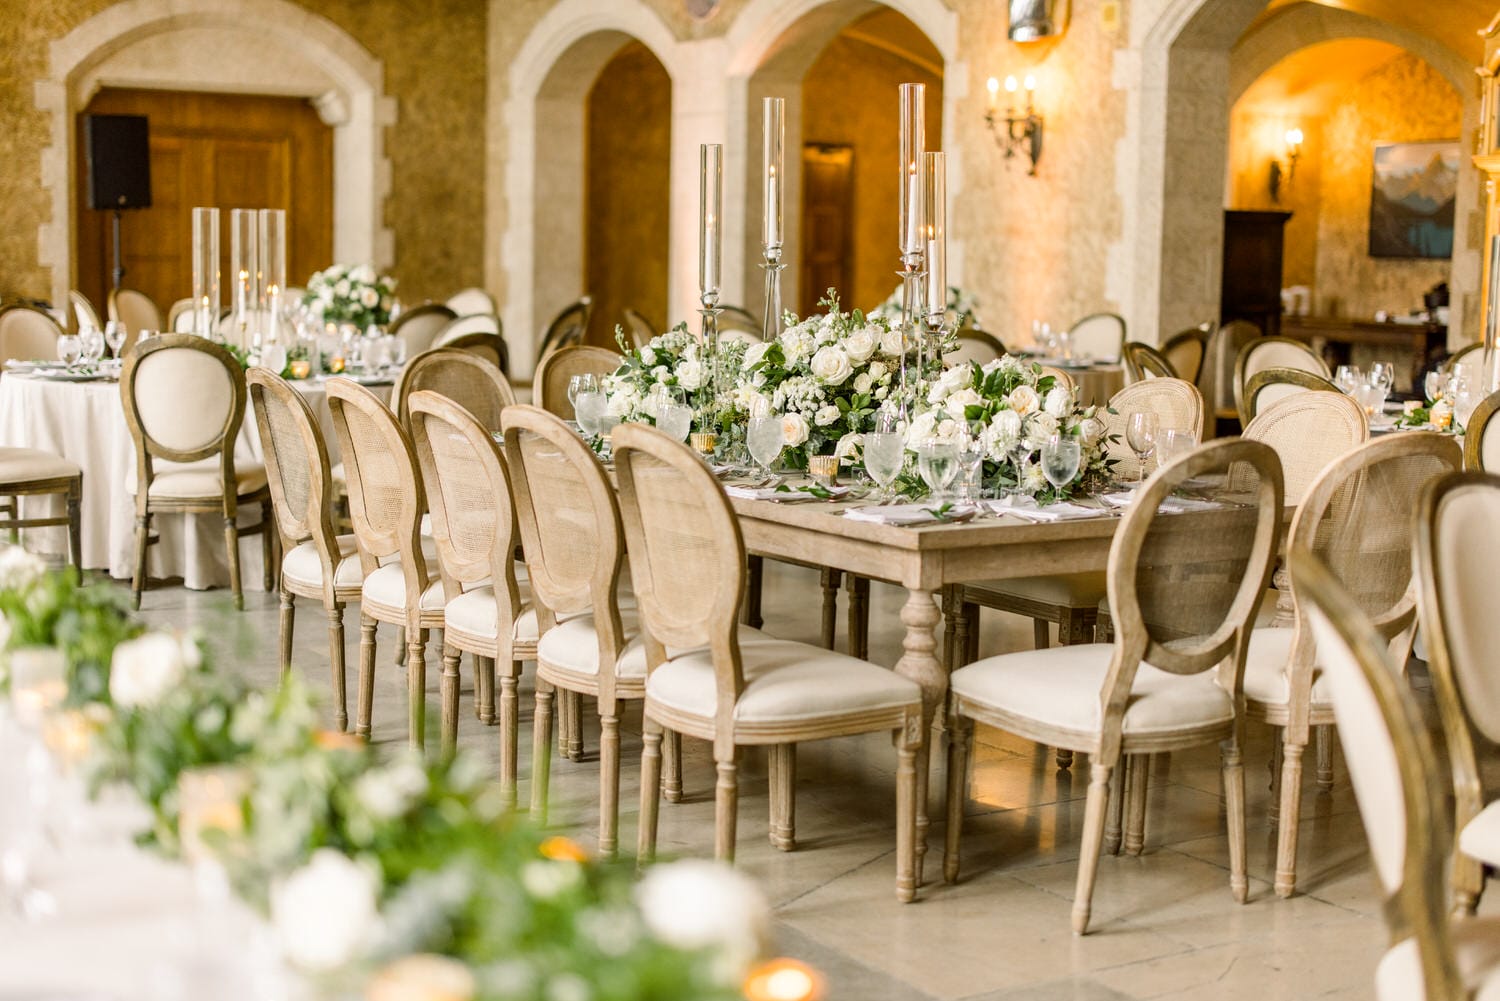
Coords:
1165,925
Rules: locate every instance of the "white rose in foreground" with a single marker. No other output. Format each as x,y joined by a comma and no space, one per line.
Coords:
921,428
962,399
690,374
826,416
755,354
1007,426
1090,431
1023,400
860,344
793,430
697,904
390,792
146,668
648,356
1059,402
19,569
324,912
831,365
621,404
890,342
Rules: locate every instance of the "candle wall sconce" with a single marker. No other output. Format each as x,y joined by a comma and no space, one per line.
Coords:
1016,130
1282,176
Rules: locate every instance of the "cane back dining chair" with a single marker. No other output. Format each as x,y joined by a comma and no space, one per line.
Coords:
567,328
1142,361
487,611
477,323
184,400
1183,588
1261,353
705,680
1397,785
27,334
419,326
1456,554
552,376
1357,518
316,562
1271,385
466,379
386,502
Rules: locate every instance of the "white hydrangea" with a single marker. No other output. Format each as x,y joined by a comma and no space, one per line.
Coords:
1033,480
144,669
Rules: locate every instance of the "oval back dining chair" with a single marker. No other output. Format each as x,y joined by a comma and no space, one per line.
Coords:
466,379
710,678
1456,555
550,385
1186,350
316,562
1261,353
419,326
1098,337
85,316
1469,356
639,331
1217,381
476,323
180,317
1309,431
386,502
1396,786
1482,436
490,348
135,310
1271,385
1357,518
1177,404
184,399
1142,361
471,300
474,530
569,327
1183,588
976,346
27,334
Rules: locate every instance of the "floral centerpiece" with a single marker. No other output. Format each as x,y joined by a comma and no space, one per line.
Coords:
669,362
1012,408
824,376
962,308
354,294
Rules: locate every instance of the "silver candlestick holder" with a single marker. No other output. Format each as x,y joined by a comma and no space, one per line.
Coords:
773,268
912,275
708,314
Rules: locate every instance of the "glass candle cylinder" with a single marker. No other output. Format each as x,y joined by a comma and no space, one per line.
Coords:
206,296
244,269
38,683
711,213
209,799
272,270
774,152
913,145
935,195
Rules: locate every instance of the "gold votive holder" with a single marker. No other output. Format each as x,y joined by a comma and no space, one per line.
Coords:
704,442
68,735
209,799
823,469
300,368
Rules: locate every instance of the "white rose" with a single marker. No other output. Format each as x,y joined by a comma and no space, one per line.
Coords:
1089,432
755,353
325,912
760,405
963,398
793,430
877,370
690,374
1023,400
363,274
19,569
341,289
389,792
621,404
1041,426
826,416
1033,480
648,356
881,393
796,344
831,365
144,669
863,383
891,342
1059,402
1007,426
661,373
921,428
369,297
860,345
696,904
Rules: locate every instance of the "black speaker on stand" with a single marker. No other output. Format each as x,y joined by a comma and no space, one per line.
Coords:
117,150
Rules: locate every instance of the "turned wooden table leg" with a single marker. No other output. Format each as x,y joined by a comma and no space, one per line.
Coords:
831,579
754,573
919,662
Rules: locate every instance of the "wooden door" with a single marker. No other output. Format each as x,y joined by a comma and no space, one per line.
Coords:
222,150
827,218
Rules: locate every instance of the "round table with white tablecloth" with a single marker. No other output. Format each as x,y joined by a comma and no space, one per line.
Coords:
85,422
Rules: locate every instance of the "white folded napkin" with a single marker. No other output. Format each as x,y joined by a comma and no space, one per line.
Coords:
907,514
1169,505
1029,510
784,494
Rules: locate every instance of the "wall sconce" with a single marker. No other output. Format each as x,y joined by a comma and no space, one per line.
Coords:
1023,130
1280,175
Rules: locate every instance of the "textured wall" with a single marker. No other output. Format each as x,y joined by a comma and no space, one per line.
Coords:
1258,136
433,56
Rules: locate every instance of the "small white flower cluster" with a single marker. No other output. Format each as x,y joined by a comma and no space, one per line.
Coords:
355,294
19,569
145,669
696,904
671,361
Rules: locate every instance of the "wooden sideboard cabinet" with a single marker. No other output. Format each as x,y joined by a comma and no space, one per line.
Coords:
1250,288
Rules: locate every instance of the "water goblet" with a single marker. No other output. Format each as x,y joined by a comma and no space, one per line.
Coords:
675,420
114,336
765,438
1347,378
937,464
589,407
1140,435
91,345
884,450
583,382
1061,454
1434,384
1383,374
69,347
1175,443
971,464
1466,397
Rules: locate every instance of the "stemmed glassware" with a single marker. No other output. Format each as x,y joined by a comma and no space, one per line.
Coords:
1383,374
885,452
91,344
69,347
583,382
765,437
970,464
937,464
1434,384
1061,454
1140,435
114,336
1348,379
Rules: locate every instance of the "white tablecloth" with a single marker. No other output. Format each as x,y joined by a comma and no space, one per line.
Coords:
85,422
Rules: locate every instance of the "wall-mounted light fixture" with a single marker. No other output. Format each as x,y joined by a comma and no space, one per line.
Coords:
1283,175
1022,130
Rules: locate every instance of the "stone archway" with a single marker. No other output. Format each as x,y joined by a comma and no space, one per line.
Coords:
353,102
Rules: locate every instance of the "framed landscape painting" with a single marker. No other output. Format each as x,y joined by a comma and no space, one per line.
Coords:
1412,199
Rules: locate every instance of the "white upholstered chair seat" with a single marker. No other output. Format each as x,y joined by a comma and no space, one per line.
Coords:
785,681
473,614
1265,670
1071,590
302,566
1476,947
1480,837
20,465
1059,688
194,480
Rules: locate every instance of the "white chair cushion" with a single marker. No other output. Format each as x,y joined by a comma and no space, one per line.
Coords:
1265,669
1480,838
387,586
193,480
1060,687
302,565
23,465
784,681
473,613
1071,590
1476,948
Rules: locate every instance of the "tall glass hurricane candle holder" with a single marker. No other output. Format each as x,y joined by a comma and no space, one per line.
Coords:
935,208
710,248
272,273
206,296
913,145
244,270
774,153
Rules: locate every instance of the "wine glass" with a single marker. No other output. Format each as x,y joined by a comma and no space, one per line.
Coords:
1347,378
114,336
1465,398
1140,435
589,408
1061,454
1434,385
1383,374
970,464
91,345
1176,443
1371,397
583,382
937,464
885,452
765,438
69,347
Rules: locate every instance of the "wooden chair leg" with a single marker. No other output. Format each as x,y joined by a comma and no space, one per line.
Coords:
484,701
575,727
908,790
1325,758
609,785
650,782
1277,762
366,675
1234,808
1137,772
336,665
754,573
672,774
510,725
416,687
541,752
726,807
288,616
859,617
400,646
142,535
232,544
783,759
1114,823
267,547
960,745
1290,811
75,524
449,737
830,578
1468,885
1093,835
